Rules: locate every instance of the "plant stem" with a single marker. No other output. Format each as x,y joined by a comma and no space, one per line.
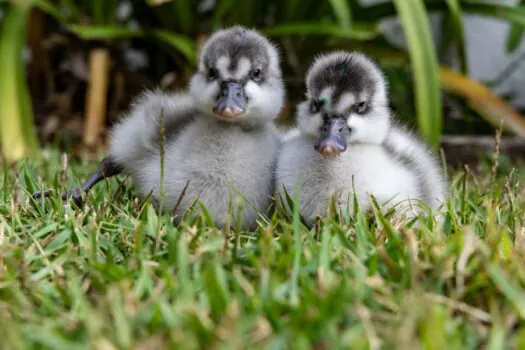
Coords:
96,99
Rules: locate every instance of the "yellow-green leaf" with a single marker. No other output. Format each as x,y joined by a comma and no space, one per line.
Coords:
481,99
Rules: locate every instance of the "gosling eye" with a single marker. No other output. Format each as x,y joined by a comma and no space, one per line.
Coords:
212,74
361,107
315,106
256,75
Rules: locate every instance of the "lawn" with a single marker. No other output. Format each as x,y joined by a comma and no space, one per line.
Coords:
108,276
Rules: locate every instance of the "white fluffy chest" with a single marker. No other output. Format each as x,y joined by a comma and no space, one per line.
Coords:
375,172
368,169
217,164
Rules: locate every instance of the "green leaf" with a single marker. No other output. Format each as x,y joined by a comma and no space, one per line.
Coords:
511,291
416,27
358,31
514,38
216,288
458,30
296,228
180,42
515,35
514,14
103,32
342,12
183,11
52,10
17,134
28,181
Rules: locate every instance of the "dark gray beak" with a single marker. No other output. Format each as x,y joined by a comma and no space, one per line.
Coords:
334,136
232,100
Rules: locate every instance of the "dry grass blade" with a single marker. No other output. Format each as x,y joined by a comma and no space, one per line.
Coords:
496,154
478,314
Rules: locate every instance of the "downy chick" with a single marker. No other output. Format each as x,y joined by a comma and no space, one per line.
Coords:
347,140
220,141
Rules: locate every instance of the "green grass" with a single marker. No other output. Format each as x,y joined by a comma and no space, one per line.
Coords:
100,277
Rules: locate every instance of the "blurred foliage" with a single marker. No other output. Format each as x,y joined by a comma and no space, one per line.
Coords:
16,131
169,32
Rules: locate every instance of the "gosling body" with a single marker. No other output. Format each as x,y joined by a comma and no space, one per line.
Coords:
220,141
217,144
348,145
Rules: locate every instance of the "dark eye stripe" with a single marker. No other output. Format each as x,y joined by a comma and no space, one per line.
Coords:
212,74
315,106
361,108
256,75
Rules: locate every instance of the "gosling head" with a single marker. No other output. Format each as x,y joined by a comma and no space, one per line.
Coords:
238,77
346,103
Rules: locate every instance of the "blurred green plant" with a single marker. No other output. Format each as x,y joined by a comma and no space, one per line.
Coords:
104,23
516,33
17,137
424,62
303,28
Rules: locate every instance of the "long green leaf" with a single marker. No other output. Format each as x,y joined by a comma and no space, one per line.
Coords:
515,34
185,17
180,42
51,10
459,32
514,14
358,31
416,26
342,12
514,38
103,32
17,133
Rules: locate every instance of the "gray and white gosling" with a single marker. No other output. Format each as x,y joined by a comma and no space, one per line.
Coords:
347,139
220,141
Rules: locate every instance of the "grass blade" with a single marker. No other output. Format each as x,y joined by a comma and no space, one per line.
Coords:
515,295
296,229
216,288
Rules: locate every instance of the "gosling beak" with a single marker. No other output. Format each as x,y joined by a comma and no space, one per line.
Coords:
231,101
334,137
